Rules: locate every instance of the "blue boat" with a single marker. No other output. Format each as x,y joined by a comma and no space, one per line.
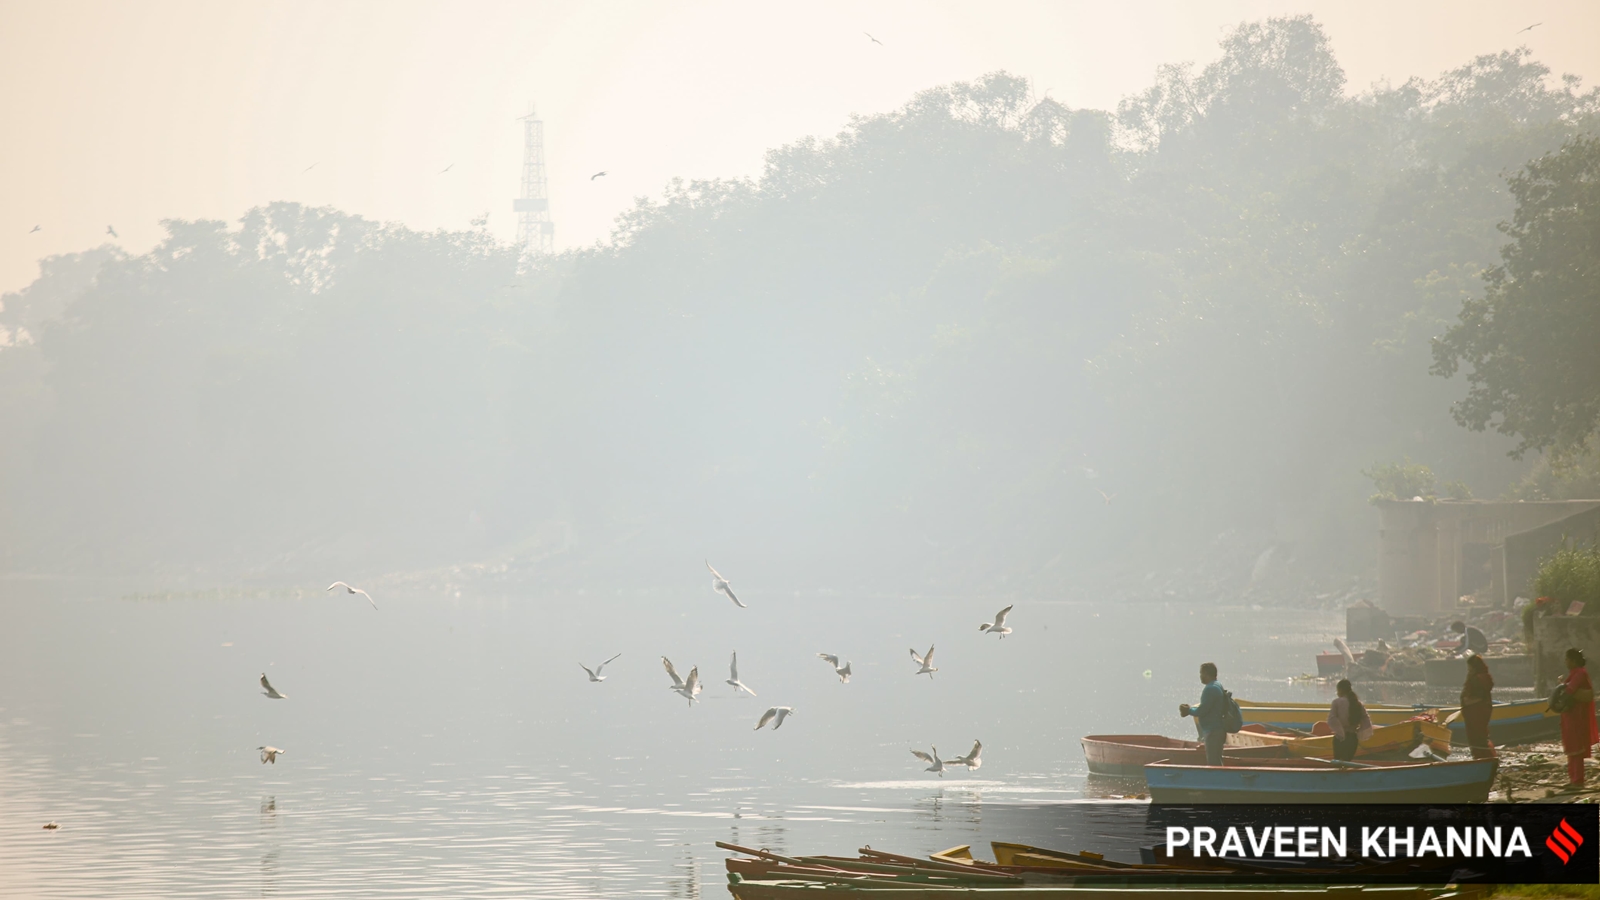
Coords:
1519,722
1322,781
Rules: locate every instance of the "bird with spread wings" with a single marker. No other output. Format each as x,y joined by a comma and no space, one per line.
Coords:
721,586
352,590
594,673
688,688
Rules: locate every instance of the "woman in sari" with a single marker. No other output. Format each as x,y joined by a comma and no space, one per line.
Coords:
1578,731
1476,706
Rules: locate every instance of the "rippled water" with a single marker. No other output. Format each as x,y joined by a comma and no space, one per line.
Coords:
453,747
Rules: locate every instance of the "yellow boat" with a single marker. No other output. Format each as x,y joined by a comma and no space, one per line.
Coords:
1387,742
1304,716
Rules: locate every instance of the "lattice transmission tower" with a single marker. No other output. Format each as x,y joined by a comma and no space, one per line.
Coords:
535,231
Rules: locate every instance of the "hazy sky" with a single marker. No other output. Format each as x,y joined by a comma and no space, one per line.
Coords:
123,114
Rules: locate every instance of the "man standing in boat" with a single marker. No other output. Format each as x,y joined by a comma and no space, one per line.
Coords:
1208,716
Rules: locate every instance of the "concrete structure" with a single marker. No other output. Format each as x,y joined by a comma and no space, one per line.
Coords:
1432,553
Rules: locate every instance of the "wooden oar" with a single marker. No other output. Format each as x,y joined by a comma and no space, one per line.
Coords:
762,854
923,863
902,871
1344,763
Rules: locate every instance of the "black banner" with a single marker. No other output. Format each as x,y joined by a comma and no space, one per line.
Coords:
1491,843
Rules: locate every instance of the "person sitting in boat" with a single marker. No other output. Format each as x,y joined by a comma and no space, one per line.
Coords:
1578,731
1348,718
1472,639
1477,705
1208,716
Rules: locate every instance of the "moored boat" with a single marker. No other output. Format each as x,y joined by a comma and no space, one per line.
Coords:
763,875
1305,716
1518,722
1125,755
1322,781
1387,741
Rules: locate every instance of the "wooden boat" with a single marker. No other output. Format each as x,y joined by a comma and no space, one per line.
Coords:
1125,755
1518,722
769,876
1323,781
804,890
1387,741
1304,716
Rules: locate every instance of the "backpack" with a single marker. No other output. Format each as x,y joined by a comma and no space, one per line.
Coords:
1232,715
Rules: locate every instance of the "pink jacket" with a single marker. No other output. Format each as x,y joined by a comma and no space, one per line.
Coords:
1339,711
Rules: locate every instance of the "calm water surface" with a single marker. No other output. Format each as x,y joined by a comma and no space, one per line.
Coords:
453,748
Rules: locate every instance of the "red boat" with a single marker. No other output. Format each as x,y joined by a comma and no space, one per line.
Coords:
1125,755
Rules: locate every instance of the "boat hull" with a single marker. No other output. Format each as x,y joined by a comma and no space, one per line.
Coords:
1519,722
1125,755
1387,742
1311,781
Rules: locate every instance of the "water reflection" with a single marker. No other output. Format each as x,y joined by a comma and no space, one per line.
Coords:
685,882
466,786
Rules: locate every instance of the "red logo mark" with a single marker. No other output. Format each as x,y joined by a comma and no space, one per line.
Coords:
1564,841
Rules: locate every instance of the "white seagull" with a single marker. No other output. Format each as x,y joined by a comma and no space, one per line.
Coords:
349,589
842,671
733,677
685,689
594,673
935,764
925,661
998,626
721,586
270,691
270,754
973,760
777,712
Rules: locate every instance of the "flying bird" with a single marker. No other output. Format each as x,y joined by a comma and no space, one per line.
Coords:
1531,27
352,590
973,760
687,689
873,39
270,754
843,672
447,168
721,586
1105,495
998,626
594,673
51,826
935,764
925,662
595,175
33,229
733,676
270,691
777,712
112,231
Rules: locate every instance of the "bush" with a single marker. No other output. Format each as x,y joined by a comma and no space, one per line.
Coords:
1572,574
1405,480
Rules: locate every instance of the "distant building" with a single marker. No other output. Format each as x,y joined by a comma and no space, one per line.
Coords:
1430,554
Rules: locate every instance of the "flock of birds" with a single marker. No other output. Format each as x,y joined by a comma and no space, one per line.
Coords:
689,688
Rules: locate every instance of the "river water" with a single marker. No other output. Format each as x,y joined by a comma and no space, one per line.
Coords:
451,747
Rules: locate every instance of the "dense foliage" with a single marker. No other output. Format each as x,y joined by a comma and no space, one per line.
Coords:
1532,338
981,341
1571,575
